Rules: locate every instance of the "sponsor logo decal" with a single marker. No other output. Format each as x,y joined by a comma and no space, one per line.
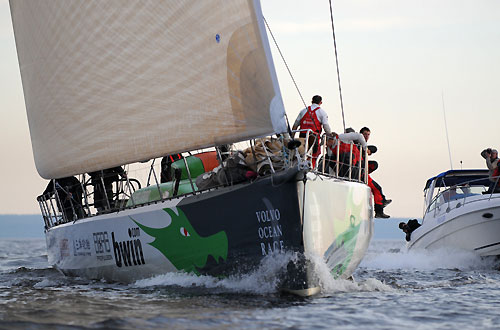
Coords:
269,231
102,245
128,253
81,247
64,247
182,245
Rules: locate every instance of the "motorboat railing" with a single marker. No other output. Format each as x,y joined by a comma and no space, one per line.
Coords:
470,190
270,155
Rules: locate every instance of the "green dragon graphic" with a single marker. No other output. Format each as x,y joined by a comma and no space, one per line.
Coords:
342,250
182,245
346,241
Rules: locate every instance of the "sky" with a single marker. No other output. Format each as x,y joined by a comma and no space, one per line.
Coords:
398,61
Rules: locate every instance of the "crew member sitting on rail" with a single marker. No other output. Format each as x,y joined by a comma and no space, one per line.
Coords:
378,197
68,193
344,152
491,157
314,118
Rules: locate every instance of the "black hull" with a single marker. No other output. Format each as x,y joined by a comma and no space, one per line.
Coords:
260,219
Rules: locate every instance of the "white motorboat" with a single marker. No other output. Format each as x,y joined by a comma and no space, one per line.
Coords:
460,213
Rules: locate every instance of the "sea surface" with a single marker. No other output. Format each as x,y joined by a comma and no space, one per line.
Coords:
393,289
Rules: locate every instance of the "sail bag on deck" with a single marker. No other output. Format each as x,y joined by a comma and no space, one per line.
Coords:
110,82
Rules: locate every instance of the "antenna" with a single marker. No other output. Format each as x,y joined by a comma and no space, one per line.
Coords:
446,128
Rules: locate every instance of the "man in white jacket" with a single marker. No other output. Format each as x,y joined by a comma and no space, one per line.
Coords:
315,119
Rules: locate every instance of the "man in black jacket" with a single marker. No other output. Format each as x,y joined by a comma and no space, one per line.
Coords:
103,186
409,227
68,193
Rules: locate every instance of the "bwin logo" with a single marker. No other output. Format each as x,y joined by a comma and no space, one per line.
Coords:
130,252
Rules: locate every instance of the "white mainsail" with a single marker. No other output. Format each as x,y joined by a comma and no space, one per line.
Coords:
118,81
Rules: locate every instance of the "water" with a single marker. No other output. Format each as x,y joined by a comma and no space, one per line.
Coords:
393,289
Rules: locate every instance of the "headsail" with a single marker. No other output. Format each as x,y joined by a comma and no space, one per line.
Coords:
119,81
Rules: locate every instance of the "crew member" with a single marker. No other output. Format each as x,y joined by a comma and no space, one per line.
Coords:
166,167
378,197
314,118
68,196
344,158
103,186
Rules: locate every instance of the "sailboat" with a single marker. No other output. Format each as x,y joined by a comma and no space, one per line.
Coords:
110,84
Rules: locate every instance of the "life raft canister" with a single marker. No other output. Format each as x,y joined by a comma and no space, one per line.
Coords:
198,164
310,121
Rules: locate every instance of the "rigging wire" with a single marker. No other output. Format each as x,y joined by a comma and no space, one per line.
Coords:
291,76
446,128
284,61
337,64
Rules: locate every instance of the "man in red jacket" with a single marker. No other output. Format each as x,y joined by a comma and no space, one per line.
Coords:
344,148
314,118
378,197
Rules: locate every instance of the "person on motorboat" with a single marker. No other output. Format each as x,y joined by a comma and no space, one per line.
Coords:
379,198
68,198
456,192
409,228
450,194
491,157
314,118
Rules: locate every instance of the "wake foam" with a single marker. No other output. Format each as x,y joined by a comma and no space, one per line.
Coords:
264,280
46,283
426,260
330,285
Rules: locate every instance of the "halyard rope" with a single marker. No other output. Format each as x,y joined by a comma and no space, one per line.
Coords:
337,64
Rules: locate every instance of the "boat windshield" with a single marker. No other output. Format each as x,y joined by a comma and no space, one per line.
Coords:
445,196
